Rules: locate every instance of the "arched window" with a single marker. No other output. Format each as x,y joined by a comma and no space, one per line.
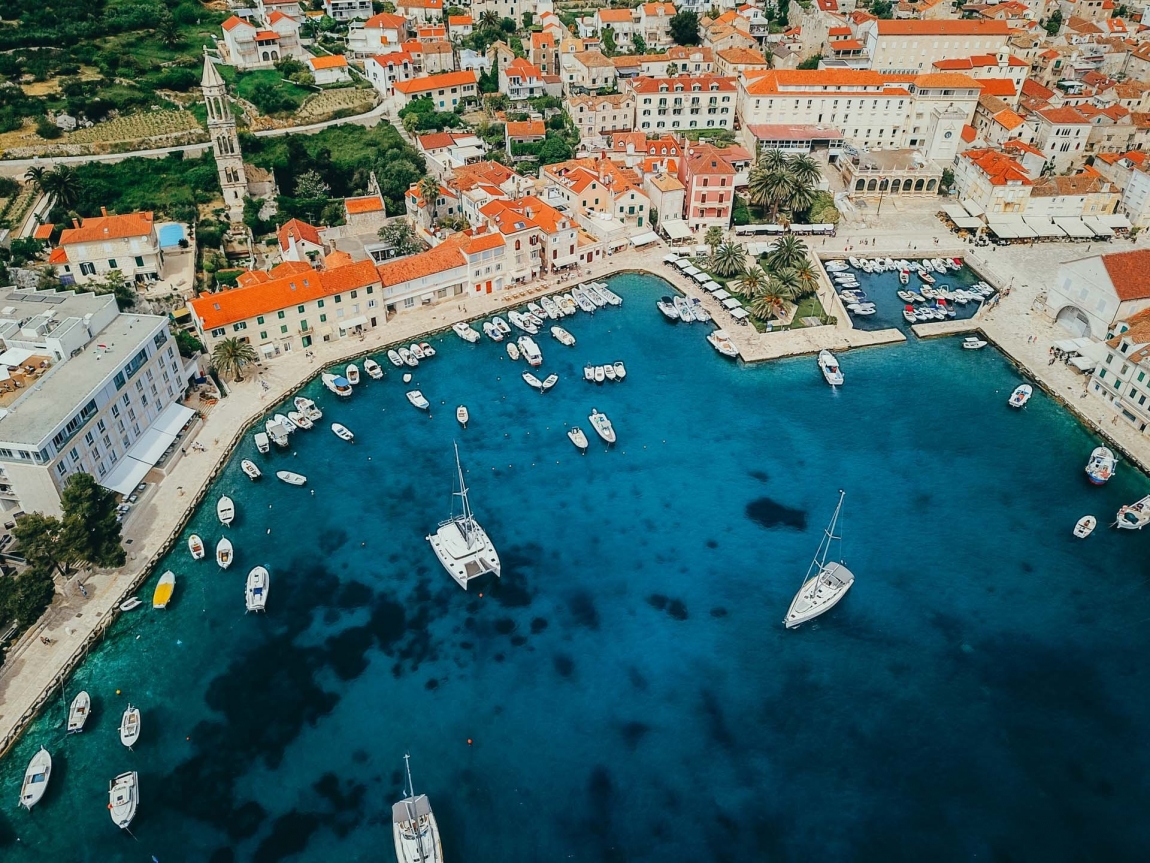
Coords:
931,184
872,185
918,186
518,246
894,186
265,56
883,184
860,186
275,55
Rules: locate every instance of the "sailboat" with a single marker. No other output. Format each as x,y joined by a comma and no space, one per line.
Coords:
413,824
36,779
461,544
829,583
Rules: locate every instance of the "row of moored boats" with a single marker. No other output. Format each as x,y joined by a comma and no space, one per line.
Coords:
685,309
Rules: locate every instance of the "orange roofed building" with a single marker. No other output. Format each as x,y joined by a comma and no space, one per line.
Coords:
93,247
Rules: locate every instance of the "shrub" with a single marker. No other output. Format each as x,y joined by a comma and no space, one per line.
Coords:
45,128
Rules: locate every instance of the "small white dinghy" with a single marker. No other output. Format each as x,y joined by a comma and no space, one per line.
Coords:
417,400
224,553
79,711
533,381
130,726
352,374
256,590
394,358
578,438
600,374
131,603
226,510
461,415
550,381
291,478
1085,526
250,469
512,350
609,372
36,779
300,421
620,371
123,798
196,547
342,432
1021,396
373,369
973,343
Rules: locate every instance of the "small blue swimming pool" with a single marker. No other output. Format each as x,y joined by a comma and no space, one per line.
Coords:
170,235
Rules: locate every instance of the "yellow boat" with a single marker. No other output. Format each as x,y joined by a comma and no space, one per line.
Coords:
164,590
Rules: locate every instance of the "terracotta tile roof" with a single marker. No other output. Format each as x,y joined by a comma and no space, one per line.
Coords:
705,82
944,79
459,21
109,228
969,134
1032,88
475,240
436,141
997,87
395,58
300,231
839,31
364,204
438,260
332,61
527,129
286,268
385,21
744,55
1022,147
786,81
1127,272
522,69
667,9
846,45
614,16
1078,184
43,232
431,32
470,176
1137,333
58,256
999,168
1062,116
267,36
336,259
434,82
278,16
943,28
1008,119
234,22
593,59
542,39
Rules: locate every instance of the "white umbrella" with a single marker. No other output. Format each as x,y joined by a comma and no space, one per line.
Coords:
731,303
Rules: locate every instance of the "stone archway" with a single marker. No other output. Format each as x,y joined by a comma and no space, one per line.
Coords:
1073,320
894,186
918,184
872,185
860,186
930,184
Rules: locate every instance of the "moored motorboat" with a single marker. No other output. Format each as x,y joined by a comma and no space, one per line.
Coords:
602,426
416,351
225,510
609,295
666,305
578,438
165,587
513,350
567,305
908,315
588,373
501,325
1134,516
549,382
700,311
532,381
685,309
285,423
428,350
829,366
291,478
131,603
530,351
492,332
904,277
277,433
825,584
36,777
224,553
582,300
417,400
394,358
1100,467
563,337
536,310
906,296
721,342
352,374
408,358
592,293
462,416
299,420
196,546
256,589
263,443
373,369
308,408
250,469
130,726
337,384
79,711
600,374
1020,396
609,372
1084,526
620,370
465,332
550,308
342,432
123,798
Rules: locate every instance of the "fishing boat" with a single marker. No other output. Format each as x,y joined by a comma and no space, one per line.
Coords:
224,554
342,432
373,369
550,308
428,350
903,277
683,307
414,828
36,778
906,296
1101,466
721,342
123,798
250,469
291,478
828,584
79,711
700,311
492,332
263,444
277,433
602,426
300,421
466,332
131,603
1020,396
563,337
600,374
165,587
308,408
408,358
829,366
513,350
460,543
667,306
927,277
620,370
533,381
501,325
1085,526
417,399
352,374
130,726
462,416
225,510
549,382
578,438
530,351
394,358
196,547
337,384
1135,516
256,589
609,372
567,305
908,315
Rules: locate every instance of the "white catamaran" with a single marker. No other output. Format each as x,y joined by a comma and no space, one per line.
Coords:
413,824
461,544
829,583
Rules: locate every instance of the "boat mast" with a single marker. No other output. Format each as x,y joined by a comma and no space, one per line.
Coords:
409,802
825,545
466,518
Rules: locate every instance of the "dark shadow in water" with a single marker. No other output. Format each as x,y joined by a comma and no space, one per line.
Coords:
760,475
770,514
581,604
716,722
633,733
331,540
564,665
290,835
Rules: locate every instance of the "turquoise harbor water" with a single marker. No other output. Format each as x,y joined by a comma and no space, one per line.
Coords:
628,688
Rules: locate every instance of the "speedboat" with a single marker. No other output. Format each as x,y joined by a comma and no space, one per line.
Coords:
256,589
602,426
79,711
337,384
416,350
588,373
563,337
567,305
130,726
416,398
906,296
1101,466
578,438
522,322
592,293
1084,526
342,432
533,381
414,828
462,546
465,332
352,374
829,366
428,350
373,368
196,547
855,262
225,510
165,587
36,778
287,424
835,266
550,381
224,554
250,469
492,332
462,416
1021,396
131,603
721,342
263,444
825,584
609,295
299,420
620,371
501,325
307,407
701,313
123,798
537,310
513,350
600,374
408,358
908,315
291,478
530,351
609,372
853,297
667,306
583,301
529,317
973,343
861,309
394,358
684,308
549,308
1135,516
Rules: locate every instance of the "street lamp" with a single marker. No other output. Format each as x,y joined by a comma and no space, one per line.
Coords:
881,189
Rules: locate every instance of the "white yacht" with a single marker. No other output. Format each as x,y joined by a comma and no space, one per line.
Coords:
277,432
666,305
414,827
408,358
256,589
337,384
373,369
263,444
417,400
492,332
721,342
685,309
829,366
307,407
1101,466
602,426
828,584
130,726
123,798
563,337
36,779
530,351
973,343
465,332
460,543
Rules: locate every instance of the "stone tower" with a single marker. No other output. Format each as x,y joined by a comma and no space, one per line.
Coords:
225,141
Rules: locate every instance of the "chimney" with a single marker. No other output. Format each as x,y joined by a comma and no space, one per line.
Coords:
75,223
103,211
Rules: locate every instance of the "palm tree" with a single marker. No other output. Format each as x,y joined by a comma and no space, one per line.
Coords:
806,280
713,237
806,170
767,187
35,176
489,20
63,183
752,282
773,161
231,355
429,191
729,259
800,196
769,301
788,254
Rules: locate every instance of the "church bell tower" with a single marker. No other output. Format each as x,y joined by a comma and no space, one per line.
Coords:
225,141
